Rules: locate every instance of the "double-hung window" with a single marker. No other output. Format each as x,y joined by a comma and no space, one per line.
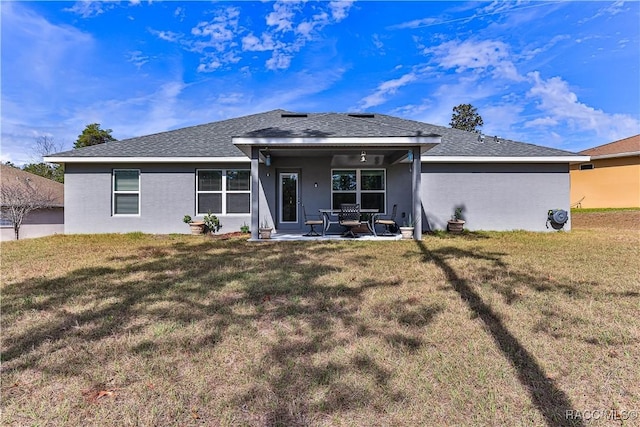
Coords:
223,191
366,187
126,192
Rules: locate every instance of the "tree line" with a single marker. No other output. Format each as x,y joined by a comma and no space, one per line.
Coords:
46,145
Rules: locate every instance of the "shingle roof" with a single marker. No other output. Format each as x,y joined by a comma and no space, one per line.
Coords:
215,139
627,145
9,175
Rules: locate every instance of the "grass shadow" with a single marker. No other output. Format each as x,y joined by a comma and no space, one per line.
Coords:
548,398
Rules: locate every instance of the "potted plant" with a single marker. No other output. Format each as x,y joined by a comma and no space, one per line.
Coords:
212,223
407,228
456,224
197,227
265,229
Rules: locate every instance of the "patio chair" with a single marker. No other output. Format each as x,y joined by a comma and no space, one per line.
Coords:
349,217
388,222
311,221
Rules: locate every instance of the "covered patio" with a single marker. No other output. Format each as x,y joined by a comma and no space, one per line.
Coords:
317,171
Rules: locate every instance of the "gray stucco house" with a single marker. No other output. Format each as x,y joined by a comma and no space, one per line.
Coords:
265,166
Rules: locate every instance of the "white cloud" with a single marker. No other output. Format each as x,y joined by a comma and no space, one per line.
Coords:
222,39
498,6
179,13
385,89
610,9
339,9
89,9
279,61
533,52
416,23
232,98
377,42
291,35
282,16
137,58
168,36
254,44
478,56
215,40
541,122
559,103
219,31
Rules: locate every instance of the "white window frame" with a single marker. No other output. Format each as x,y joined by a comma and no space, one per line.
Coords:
359,189
114,191
222,192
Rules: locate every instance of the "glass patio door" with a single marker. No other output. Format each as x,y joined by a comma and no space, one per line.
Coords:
288,199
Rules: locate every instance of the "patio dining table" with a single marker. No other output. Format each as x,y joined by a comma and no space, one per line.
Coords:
327,220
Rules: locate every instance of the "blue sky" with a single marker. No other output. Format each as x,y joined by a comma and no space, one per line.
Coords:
559,74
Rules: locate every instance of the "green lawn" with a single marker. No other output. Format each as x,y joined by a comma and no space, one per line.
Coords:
482,329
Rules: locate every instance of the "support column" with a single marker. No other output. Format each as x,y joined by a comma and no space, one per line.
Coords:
416,175
255,193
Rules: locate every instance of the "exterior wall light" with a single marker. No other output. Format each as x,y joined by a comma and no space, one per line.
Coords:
267,160
363,157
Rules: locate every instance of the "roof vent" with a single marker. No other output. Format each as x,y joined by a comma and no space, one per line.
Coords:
293,115
362,116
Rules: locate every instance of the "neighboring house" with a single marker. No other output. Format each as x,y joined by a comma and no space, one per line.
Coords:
263,167
38,223
611,179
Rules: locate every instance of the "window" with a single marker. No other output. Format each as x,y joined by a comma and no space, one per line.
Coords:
364,186
126,192
586,166
223,191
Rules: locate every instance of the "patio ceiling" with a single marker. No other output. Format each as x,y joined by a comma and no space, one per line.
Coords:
343,156
384,150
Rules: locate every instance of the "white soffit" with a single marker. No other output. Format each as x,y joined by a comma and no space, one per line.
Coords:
54,159
425,142
489,159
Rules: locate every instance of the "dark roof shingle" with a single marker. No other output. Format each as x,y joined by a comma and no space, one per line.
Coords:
215,139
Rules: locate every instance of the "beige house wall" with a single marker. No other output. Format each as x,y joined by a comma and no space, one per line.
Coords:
612,183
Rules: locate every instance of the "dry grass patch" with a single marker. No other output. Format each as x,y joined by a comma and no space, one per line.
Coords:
480,329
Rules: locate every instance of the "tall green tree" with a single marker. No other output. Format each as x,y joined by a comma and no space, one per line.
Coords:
466,117
93,135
